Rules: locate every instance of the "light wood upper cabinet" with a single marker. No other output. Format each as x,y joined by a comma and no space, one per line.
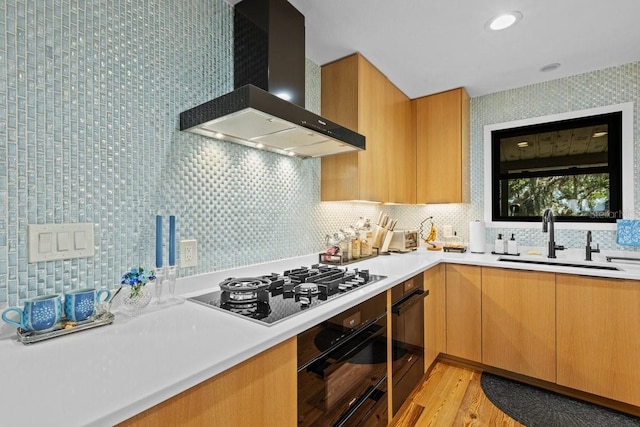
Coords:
357,95
400,149
463,305
442,144
519,322
599,336
435,332
340,175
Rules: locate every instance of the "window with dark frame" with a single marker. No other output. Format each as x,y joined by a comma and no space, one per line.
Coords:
572,166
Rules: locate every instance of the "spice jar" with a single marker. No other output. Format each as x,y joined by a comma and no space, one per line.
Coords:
366,237
345,245
356,246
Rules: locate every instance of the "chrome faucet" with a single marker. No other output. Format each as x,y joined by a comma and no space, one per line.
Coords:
589,250
548,221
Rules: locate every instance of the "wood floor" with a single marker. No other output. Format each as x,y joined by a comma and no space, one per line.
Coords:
451,396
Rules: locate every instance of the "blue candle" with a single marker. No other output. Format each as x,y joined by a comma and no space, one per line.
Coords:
158,241
172,240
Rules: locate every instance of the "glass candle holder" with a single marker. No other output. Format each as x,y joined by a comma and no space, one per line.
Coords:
171,280
159,282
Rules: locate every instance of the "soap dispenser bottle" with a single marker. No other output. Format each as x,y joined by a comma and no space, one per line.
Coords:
512,245
499,245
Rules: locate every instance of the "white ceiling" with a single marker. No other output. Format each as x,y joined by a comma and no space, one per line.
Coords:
428,46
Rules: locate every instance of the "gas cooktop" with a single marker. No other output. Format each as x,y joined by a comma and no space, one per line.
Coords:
275,297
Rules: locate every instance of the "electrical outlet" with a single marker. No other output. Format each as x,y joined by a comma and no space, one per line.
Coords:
188,253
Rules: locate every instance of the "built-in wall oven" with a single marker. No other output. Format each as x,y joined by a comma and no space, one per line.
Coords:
407,320
342,362
342,368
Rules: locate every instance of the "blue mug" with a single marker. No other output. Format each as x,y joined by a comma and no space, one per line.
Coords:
80,304
37,314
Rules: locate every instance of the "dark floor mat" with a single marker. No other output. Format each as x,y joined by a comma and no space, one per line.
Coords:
535,407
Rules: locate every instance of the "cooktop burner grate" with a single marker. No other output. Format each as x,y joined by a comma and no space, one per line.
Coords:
274,297
244,284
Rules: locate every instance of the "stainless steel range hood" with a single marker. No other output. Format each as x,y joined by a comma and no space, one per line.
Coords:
269,67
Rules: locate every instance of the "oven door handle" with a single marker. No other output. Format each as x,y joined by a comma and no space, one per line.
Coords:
408,300
341,343
372,392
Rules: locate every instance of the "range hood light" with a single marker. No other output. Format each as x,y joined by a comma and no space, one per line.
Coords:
284,95
208,133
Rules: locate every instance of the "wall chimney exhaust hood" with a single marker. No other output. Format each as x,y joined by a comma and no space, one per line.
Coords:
266,109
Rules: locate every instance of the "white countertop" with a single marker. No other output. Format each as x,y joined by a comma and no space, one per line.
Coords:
103,376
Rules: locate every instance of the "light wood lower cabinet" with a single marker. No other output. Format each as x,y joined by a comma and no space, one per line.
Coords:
599,336
435,332
463,305
519,322
580,332
240,396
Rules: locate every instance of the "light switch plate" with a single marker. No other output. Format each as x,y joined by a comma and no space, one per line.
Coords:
44,242
50,242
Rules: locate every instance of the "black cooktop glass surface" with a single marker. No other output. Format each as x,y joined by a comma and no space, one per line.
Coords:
275,297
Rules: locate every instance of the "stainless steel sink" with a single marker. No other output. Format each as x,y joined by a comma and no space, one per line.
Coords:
559,263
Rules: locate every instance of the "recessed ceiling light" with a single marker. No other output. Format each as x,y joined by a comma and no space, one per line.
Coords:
503,21
550,67
259,145
523,144
219,135
599,134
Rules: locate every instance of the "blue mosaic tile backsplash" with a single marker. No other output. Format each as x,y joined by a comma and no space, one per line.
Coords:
90,93
610,86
